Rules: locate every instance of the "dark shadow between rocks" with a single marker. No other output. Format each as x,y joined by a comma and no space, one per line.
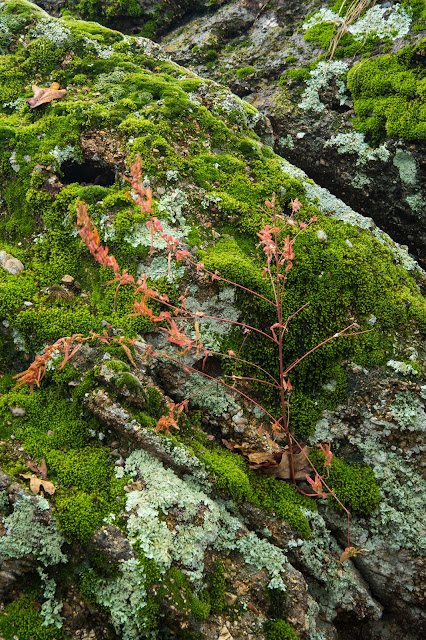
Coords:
88,172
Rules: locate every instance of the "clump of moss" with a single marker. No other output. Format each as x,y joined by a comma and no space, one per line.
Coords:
389,95
333,277
78,516
279,630
217,588
178,588
22,620
244,72
355,485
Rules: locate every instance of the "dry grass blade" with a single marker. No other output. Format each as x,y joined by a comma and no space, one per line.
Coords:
352,14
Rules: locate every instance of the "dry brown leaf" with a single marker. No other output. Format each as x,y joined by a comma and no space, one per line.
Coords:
261,457
36,483
40,469
45,94
301,466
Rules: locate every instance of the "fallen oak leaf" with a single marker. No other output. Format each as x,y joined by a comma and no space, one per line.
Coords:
36,483
42,95
260,457
300,465
41,470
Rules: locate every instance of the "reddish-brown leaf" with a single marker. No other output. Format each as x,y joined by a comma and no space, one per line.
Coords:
301,465
40,469
45,94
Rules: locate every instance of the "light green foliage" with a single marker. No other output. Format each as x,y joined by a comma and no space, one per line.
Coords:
244,72
354,485
20,619
389,95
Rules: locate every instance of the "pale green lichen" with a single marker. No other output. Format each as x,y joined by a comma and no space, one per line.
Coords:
382,21
406,165
27,533
51,607
360,180
403,368
320,79
212,332
286,142
172,204
125,598
400,519
355,143
51,29
416,202
215,399
333,587
200,523
160,268
409,411
64,154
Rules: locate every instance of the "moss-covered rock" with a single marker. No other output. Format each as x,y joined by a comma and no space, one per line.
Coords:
209,172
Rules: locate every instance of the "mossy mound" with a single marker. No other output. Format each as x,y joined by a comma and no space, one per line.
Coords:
389,95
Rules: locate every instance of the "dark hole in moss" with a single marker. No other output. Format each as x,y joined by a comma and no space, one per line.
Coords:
88,172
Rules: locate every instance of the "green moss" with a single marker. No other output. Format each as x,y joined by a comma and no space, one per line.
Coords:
44,56
389,95
332,278
294,74
355,485
217,588
155,403
86,468
22,620
235,479
131,382
178,588
117,365
244,72
78,516
279,630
